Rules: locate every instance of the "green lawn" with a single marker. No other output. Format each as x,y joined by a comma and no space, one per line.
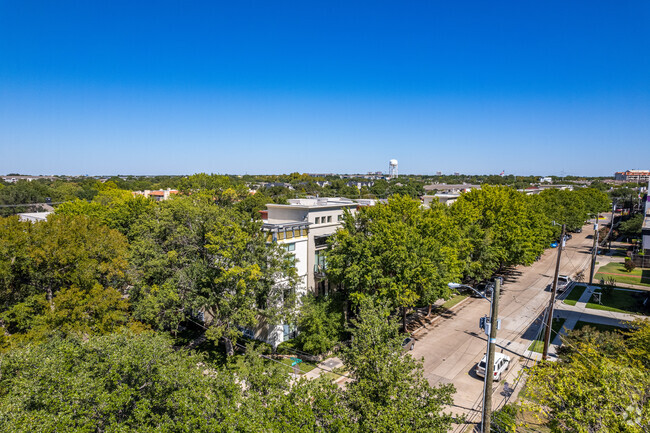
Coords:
538,345
640,276
622,301
575,294
304,366
333,376
598,326
453,301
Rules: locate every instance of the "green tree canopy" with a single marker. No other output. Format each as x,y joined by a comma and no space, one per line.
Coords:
389,392
501,227
63,251
600,383
119,382
195,256
397,251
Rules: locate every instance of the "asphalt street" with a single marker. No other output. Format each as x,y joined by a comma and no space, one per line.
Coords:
451,347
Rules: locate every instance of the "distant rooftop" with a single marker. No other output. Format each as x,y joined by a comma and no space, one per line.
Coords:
320,201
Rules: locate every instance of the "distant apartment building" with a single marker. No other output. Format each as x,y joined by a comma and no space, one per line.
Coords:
645,229
447,198
158,195
34,216
633,175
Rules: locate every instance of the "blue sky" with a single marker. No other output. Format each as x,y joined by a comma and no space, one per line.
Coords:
175,87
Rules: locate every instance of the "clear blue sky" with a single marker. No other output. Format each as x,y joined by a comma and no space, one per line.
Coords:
175,87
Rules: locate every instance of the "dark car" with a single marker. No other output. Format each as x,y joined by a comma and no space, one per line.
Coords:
485,288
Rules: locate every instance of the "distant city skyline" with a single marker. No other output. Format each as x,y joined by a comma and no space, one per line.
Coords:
470,87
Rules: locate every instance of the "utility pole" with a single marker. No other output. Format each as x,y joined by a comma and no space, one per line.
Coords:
611,228
489,368
549,318
594,251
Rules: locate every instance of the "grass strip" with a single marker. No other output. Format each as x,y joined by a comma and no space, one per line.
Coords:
453,301
575,294
538,345
621,301
598,326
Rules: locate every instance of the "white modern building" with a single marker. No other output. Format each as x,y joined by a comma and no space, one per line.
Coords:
302,227
317,219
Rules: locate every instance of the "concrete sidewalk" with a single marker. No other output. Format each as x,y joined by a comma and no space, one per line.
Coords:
326,366
579,312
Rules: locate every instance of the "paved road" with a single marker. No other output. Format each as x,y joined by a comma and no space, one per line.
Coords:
452,346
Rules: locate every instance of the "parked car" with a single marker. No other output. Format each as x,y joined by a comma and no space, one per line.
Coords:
578,230
484,288
563,282
408,344
501,364
553,244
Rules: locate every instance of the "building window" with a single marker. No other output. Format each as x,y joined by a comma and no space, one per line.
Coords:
317,220
340,217
290,247
320,264
329,219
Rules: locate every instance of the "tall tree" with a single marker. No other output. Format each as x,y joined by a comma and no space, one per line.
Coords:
599,383
195,257
397,251
502,228
388,392
60,252
119,382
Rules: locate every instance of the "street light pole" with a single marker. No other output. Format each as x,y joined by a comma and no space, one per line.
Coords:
491,340
489,368
549,318
594,252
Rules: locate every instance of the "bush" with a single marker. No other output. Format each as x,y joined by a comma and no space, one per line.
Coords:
629,264
320,324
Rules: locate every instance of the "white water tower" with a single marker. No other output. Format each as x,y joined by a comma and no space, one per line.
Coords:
392,168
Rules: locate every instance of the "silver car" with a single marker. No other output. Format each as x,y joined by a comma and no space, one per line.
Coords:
563,282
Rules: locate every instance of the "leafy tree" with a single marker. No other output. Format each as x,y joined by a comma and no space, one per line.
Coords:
632,227
73,312
119,382
594,200
116,208
223,189
61,252
320,323
629,264
501,228
389,392
600,383
194,256
397,251
562,207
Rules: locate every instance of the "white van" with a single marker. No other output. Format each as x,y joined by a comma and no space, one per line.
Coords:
501,364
